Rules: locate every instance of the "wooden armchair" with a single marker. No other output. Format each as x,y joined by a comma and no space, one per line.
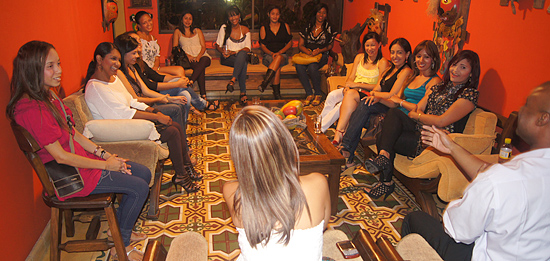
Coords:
29,146
432,172
144,152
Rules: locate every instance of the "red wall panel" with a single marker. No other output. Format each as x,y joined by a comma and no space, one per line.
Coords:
74,28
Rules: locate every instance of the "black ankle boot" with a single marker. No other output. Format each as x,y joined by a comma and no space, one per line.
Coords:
268,77
277,91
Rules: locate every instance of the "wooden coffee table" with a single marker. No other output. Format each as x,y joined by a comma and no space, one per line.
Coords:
317,154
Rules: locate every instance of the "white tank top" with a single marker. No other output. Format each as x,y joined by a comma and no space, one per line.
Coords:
304,245
192,45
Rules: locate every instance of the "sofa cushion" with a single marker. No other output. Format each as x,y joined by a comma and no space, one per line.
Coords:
120,130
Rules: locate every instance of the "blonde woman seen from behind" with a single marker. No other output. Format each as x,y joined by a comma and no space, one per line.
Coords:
278,213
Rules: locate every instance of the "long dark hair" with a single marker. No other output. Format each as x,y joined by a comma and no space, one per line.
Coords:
28,78
181,27
406,47
231,11
102,50
473,81
135,18
432,51
377,38
125,44
311,25
271,8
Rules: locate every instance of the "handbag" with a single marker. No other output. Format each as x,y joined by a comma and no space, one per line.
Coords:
253,58
66,180
180,57
304,59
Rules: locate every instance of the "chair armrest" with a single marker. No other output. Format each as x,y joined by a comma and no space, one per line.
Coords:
475,144
371,251
154,252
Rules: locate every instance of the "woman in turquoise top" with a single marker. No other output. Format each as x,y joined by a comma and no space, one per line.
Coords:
424,76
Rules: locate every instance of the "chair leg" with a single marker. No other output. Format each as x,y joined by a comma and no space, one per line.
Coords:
55,230
153,212
115,231
69,222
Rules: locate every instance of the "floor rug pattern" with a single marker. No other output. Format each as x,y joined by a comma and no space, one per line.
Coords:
205,211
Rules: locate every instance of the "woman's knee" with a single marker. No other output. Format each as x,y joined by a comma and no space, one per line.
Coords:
205,60
140,171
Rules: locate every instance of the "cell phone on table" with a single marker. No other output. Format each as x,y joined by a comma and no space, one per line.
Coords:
348,249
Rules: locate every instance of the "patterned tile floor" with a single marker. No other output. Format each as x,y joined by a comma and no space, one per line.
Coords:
205,211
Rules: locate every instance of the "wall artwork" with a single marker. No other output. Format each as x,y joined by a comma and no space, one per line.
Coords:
450,27
141,3
110,13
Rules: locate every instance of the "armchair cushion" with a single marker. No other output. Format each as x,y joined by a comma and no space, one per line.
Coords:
120,130
414,247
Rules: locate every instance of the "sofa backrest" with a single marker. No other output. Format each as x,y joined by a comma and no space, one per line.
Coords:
81,112
481,122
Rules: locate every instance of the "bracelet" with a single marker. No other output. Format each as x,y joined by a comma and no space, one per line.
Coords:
96,149
401,103
102,154
419,114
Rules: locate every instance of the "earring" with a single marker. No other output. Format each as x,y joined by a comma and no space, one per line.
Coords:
433,65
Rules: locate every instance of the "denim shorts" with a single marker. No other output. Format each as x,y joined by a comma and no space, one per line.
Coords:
267,59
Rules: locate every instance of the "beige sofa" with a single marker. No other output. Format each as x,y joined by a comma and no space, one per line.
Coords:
145,152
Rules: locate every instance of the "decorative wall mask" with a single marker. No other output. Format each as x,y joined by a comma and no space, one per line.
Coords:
450,27
110,13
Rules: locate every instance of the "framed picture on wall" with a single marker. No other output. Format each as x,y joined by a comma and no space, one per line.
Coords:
141,3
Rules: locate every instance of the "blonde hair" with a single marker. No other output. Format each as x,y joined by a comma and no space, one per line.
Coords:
269,196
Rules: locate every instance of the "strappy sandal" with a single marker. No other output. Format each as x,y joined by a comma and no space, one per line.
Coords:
308,100
317,100
186,183
380,189
115,256
190,84
380,163
230,86
243,101
212,105
194,174
337,143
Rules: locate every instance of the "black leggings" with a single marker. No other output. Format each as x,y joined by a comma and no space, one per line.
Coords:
198,73
432,231
177,145
399,135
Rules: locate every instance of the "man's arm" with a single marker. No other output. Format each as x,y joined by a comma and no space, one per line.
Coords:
438,139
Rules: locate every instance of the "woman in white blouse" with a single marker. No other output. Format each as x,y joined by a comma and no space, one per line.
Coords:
107,98
234,44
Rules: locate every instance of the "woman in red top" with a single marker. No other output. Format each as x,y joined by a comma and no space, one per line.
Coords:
36,72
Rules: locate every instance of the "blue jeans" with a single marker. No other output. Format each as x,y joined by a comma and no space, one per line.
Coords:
313,70
190,94
178,112
239,62
135,189
358,119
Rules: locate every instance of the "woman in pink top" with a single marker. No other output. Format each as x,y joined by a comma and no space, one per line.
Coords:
37,73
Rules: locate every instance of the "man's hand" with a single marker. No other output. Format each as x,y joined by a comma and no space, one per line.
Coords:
437,138
177,99
164,119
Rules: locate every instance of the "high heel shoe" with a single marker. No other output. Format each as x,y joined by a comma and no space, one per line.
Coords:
380,163
243,101
230,86
308,100
193,173
186,183
190,84
381,189
336,143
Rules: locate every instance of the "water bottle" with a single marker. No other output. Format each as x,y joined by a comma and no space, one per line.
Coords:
505,151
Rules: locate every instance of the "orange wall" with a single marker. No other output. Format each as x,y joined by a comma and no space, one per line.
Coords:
513,49
74,28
